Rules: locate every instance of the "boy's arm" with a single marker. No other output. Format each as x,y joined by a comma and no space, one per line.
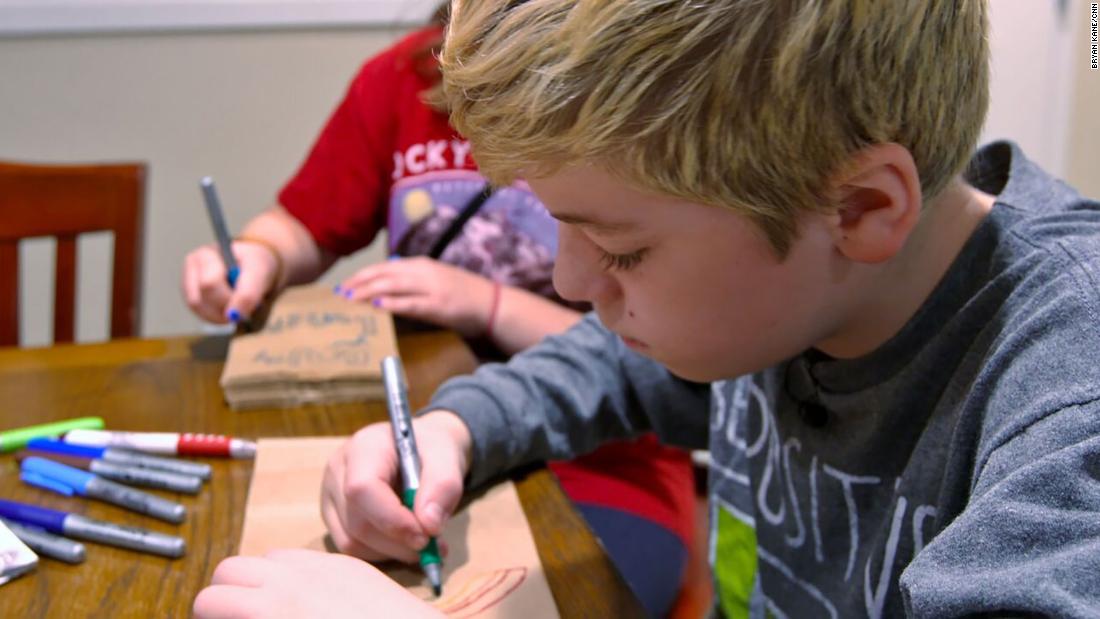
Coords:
567,395
1029,540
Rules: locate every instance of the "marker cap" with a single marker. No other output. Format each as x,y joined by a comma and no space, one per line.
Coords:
44,471
48,519
53,445
10,440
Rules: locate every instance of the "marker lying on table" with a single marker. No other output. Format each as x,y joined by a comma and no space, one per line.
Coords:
10,440
130,475
99,531
166,443
123,457
221,231
68,481
47,544
397,403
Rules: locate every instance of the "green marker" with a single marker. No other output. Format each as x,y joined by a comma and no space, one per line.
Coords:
10,440
397,403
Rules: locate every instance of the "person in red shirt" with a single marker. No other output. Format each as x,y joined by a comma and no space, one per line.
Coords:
463,256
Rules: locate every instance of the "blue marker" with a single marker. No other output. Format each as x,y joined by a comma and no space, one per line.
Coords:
217,220
82,527
122,457
68,481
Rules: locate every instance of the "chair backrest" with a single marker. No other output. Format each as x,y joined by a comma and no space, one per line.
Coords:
64,201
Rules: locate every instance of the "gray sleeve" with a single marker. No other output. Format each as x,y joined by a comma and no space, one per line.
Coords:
1028,541
565,396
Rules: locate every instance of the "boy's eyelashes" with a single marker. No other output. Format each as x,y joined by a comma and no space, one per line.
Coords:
621,262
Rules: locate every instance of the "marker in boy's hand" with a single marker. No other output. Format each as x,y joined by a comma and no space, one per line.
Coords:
361,509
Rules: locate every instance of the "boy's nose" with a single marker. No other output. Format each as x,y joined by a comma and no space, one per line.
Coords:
578,275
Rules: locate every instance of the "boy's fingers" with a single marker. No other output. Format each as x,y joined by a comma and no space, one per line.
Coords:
244,571
373,547
439,494
230,602
372,503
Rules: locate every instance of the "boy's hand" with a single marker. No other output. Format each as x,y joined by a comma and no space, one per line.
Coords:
207,291
359,503
427,290
304,583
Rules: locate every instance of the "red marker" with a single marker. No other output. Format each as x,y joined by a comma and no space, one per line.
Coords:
165,443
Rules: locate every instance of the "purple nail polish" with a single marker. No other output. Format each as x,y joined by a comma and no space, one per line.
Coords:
376,302
337,289
233,315
347,294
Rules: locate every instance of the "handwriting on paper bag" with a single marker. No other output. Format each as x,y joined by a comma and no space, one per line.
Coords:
350,349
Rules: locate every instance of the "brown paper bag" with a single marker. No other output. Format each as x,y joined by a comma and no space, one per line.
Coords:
491,571
315,347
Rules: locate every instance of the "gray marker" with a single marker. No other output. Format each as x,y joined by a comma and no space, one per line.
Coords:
172,465
136,500
68,480
408,459
48,544
130,475
136,476
56,448
133,538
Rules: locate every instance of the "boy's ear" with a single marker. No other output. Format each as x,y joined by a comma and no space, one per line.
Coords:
879,203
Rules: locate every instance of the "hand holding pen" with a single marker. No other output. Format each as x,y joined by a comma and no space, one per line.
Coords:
226,282
408,459
364,515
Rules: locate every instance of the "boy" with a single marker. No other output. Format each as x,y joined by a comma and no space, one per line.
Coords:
767,195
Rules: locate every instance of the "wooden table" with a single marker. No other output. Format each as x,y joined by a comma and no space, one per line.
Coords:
172,385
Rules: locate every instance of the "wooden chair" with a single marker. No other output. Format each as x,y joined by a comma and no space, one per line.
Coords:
64,201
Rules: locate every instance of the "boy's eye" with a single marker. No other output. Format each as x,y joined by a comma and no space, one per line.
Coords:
621,262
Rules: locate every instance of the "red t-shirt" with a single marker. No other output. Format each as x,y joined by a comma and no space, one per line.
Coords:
387,160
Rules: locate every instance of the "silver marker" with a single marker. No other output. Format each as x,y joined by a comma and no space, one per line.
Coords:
149,478
136,500
133,538
47,544
397,404
172,465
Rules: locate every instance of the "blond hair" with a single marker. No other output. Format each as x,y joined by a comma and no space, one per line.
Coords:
747,104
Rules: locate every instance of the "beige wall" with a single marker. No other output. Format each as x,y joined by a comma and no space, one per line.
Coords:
241,106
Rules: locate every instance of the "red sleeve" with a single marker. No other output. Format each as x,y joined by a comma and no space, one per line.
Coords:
341,191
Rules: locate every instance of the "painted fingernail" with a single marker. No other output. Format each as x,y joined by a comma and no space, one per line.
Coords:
393,257
336,289
347,294
376,302
233,315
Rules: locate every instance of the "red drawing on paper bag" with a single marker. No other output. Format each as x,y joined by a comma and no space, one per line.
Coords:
482,592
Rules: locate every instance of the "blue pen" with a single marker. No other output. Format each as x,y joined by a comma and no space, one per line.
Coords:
123,457
68,481
217,220
82,527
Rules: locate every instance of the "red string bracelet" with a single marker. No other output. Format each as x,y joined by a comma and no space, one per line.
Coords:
492,311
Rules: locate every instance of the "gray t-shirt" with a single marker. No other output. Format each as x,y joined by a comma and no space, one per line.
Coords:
955,470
